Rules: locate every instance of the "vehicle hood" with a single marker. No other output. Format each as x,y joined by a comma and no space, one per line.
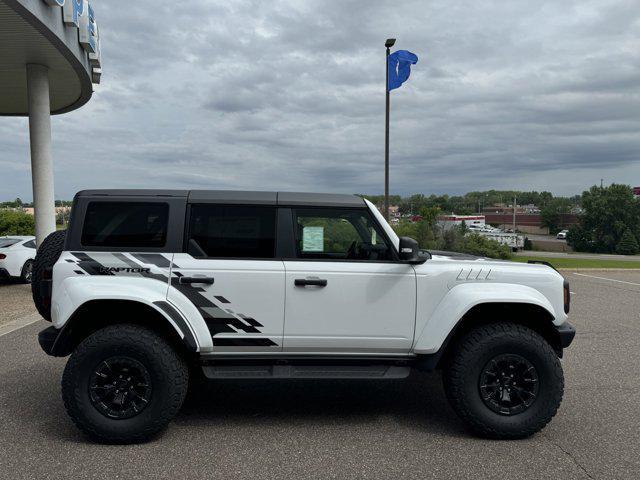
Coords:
455,256
466,267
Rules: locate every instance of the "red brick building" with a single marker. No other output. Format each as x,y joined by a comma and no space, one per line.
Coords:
529,223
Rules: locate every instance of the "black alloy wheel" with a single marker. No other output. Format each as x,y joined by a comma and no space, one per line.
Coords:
508,384
120,387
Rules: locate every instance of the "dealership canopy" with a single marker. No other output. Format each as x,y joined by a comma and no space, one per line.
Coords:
49,60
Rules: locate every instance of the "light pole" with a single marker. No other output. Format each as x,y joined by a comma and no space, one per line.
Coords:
388,44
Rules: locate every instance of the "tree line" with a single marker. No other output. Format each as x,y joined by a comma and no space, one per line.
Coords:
608,217
475,202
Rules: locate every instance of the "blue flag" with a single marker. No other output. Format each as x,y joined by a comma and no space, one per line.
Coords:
400,67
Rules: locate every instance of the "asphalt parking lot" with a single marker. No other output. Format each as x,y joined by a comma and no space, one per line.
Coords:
329,429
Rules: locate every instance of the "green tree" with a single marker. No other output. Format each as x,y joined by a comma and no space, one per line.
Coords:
14,222
551,213
628,244
607,214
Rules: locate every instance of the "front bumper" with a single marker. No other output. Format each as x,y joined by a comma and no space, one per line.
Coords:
566,332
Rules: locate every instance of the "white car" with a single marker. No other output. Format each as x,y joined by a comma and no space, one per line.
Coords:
562,235
16,257
148,288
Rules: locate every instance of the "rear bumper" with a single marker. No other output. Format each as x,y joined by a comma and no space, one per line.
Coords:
4,273
567,332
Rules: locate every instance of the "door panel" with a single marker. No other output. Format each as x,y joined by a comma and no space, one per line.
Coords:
345,293
243,308
241,298
364,307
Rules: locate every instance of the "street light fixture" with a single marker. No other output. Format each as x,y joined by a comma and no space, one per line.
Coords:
389,43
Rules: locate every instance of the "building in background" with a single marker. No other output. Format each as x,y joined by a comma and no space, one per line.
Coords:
528,223
447,221
49,60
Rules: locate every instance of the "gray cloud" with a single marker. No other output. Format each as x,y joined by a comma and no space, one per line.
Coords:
290,95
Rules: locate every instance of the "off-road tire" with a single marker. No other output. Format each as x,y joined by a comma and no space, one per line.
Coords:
168,371
461,377
46,257
24,274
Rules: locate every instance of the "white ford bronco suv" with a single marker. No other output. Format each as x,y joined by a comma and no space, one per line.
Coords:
148,288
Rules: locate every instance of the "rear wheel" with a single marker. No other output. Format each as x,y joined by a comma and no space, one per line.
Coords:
27,272
504,380
124,384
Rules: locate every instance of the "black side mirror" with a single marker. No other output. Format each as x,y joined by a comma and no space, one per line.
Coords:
410,251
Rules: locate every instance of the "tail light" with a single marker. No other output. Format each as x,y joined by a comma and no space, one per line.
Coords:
2,256
567,297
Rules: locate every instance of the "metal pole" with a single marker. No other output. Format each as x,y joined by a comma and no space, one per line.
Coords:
386,145
41,156
514,214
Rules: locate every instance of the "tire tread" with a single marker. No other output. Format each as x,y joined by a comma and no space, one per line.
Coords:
470,347
173,367
46,257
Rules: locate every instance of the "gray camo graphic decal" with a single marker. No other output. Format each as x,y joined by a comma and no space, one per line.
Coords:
218,319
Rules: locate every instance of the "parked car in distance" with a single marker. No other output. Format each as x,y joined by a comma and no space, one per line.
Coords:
562,234
16,257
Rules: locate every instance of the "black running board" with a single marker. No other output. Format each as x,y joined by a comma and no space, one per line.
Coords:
372,372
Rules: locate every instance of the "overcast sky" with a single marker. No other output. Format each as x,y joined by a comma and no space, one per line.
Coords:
289,95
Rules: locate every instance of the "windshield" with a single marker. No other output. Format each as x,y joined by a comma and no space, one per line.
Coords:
7,242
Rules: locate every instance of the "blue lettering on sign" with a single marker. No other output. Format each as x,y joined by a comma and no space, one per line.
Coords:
80,14
73,10
88,29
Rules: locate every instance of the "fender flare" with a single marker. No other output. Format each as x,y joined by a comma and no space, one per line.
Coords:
76,293
461,299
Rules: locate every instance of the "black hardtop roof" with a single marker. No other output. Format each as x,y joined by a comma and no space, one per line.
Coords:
239,197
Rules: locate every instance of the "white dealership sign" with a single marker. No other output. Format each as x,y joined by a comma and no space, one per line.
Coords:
79,14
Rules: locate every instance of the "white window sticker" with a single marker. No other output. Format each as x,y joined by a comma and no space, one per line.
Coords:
313,239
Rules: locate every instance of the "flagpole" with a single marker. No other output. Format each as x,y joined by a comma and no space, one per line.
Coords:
389,43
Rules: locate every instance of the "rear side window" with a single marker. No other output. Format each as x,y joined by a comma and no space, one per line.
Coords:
219,231
7,242
30,244
125,224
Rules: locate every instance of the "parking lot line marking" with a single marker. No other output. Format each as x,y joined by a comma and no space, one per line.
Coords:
603,278
17,325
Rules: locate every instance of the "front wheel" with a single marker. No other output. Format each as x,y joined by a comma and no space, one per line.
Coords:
124,384
504,381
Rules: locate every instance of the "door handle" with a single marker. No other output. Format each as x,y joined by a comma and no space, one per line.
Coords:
190,280
310,282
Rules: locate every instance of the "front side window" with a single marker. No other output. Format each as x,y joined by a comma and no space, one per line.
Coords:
339,234
125,224
30,244
223,231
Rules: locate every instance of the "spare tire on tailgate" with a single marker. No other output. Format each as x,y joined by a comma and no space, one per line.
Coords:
46,257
